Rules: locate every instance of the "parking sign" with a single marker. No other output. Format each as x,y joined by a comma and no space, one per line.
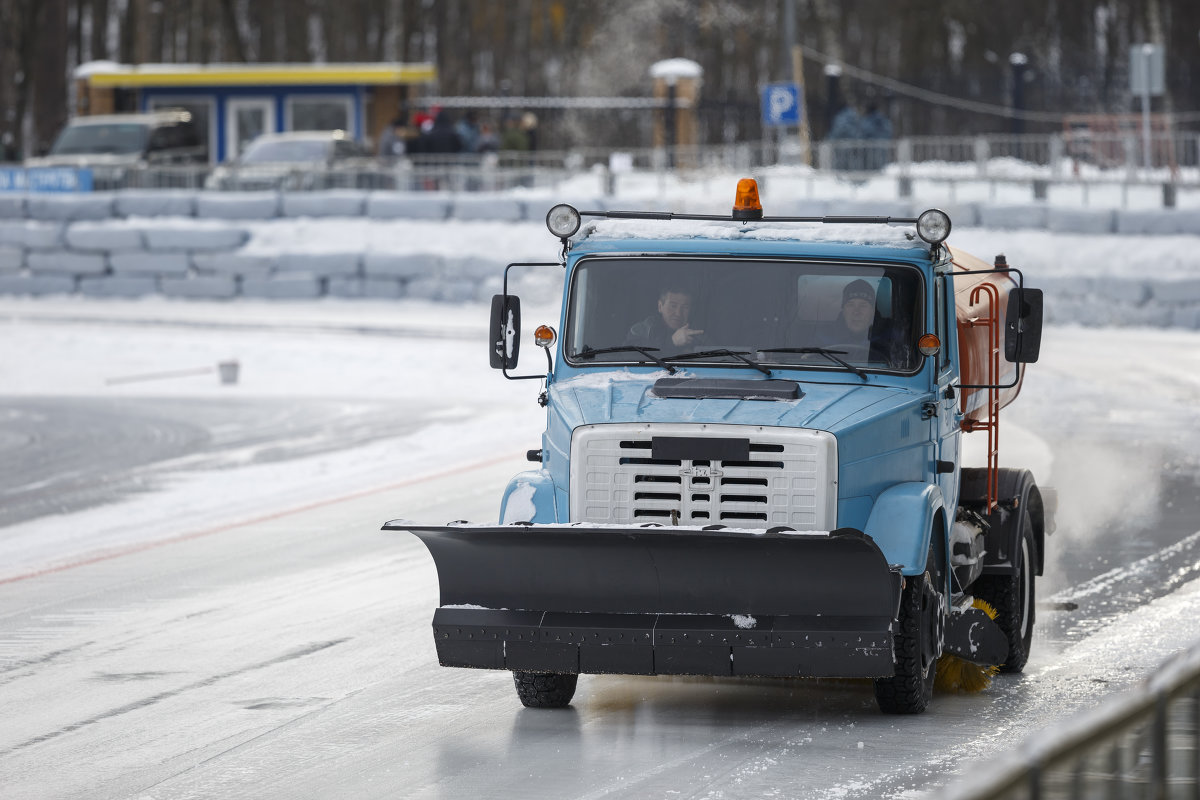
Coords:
781,104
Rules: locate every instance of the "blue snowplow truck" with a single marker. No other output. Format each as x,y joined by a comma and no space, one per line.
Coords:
751,462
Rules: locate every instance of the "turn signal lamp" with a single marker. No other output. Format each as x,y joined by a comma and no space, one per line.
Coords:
929,344
563,220
746,204
544,336
933,225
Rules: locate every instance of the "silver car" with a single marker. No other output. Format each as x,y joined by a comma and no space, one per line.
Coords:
296,160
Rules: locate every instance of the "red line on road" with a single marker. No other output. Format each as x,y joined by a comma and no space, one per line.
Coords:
143,546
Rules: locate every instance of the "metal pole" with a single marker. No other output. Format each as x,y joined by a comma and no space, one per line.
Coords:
1147,50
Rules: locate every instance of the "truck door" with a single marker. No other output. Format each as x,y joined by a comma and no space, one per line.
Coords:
947,433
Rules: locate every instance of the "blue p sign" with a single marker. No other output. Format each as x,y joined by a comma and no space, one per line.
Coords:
781,104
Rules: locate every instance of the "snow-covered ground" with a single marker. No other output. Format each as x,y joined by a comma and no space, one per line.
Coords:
1110,417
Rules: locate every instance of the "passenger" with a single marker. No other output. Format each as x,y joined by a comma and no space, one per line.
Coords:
858,329
669,329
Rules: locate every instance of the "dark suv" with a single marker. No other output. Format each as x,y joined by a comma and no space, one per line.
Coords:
154,138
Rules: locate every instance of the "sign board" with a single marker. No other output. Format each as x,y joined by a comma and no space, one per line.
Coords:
1147,69
781,103
45,179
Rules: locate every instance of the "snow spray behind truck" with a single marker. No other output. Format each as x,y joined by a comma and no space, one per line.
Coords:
751,462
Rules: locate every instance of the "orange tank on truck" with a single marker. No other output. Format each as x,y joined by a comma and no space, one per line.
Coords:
980,346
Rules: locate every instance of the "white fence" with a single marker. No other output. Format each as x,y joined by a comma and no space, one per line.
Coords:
1040,163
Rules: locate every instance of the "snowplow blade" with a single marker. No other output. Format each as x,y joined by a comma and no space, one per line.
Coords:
662,600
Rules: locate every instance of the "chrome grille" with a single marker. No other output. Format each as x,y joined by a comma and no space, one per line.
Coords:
788,479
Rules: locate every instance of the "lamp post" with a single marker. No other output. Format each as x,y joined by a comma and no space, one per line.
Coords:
1019,63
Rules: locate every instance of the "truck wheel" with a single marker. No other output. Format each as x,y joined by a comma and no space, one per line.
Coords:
545,689
917,644
1013,598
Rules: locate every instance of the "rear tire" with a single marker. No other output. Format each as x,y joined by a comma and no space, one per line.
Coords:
545,689
917,643
1013,598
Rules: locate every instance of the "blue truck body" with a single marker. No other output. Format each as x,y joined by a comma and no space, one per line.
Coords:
740,496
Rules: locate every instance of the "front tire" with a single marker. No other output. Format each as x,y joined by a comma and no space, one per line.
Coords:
1013,598
545,689
917,644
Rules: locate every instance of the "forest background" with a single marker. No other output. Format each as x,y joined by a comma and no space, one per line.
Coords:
1041,59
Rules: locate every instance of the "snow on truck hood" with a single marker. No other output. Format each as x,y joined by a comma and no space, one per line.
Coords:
625,396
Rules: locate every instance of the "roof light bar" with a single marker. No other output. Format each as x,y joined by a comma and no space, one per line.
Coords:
933,226
563,220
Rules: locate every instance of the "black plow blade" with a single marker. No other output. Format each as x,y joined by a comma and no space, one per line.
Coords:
661,600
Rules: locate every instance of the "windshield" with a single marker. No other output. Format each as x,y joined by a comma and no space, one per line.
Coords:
819,315
110,139
277,150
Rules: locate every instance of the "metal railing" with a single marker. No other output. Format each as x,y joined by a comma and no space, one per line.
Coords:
1036,161
1143,744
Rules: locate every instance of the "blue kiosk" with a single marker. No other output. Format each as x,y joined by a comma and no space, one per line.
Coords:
234,103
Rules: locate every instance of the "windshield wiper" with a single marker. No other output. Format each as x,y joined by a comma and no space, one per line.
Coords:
832,355
648,352
738,354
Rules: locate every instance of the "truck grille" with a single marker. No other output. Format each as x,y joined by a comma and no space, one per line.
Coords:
789,478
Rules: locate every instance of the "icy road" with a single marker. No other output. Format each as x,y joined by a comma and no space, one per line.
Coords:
196,599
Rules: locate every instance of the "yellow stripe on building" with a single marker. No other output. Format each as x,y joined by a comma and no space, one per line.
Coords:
265,75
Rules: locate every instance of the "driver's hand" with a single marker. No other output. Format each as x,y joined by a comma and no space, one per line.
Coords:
685,335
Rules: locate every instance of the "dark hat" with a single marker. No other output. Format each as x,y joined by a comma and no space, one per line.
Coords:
858,290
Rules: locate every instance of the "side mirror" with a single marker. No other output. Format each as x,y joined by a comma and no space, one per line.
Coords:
1023,326
504,331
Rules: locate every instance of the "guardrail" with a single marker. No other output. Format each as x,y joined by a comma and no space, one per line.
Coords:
1143,744
1039,162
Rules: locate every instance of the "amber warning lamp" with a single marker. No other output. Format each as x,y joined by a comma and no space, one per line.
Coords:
746,204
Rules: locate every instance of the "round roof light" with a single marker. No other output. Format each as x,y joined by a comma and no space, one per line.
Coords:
933,225
563,220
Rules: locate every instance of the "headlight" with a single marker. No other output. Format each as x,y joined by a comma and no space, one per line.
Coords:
933,225
563,220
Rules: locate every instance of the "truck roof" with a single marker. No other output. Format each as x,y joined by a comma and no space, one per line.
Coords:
792,238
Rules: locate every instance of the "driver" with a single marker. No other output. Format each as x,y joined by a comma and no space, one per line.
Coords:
670,328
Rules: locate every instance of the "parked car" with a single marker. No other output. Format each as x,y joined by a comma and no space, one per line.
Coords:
296,160
127,140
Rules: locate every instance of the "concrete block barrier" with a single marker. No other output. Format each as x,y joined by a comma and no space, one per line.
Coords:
407,205
284,287
321,264
32,235
65,263
38,285
366,287
93,236
472,268
1014,217
200,287
401,265
1074,220
234,263
12,258
341,203
219,245
69,207
1176,293
194,238
148,203
1158,222
12,206
237,205
497,209
118,286
150,263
